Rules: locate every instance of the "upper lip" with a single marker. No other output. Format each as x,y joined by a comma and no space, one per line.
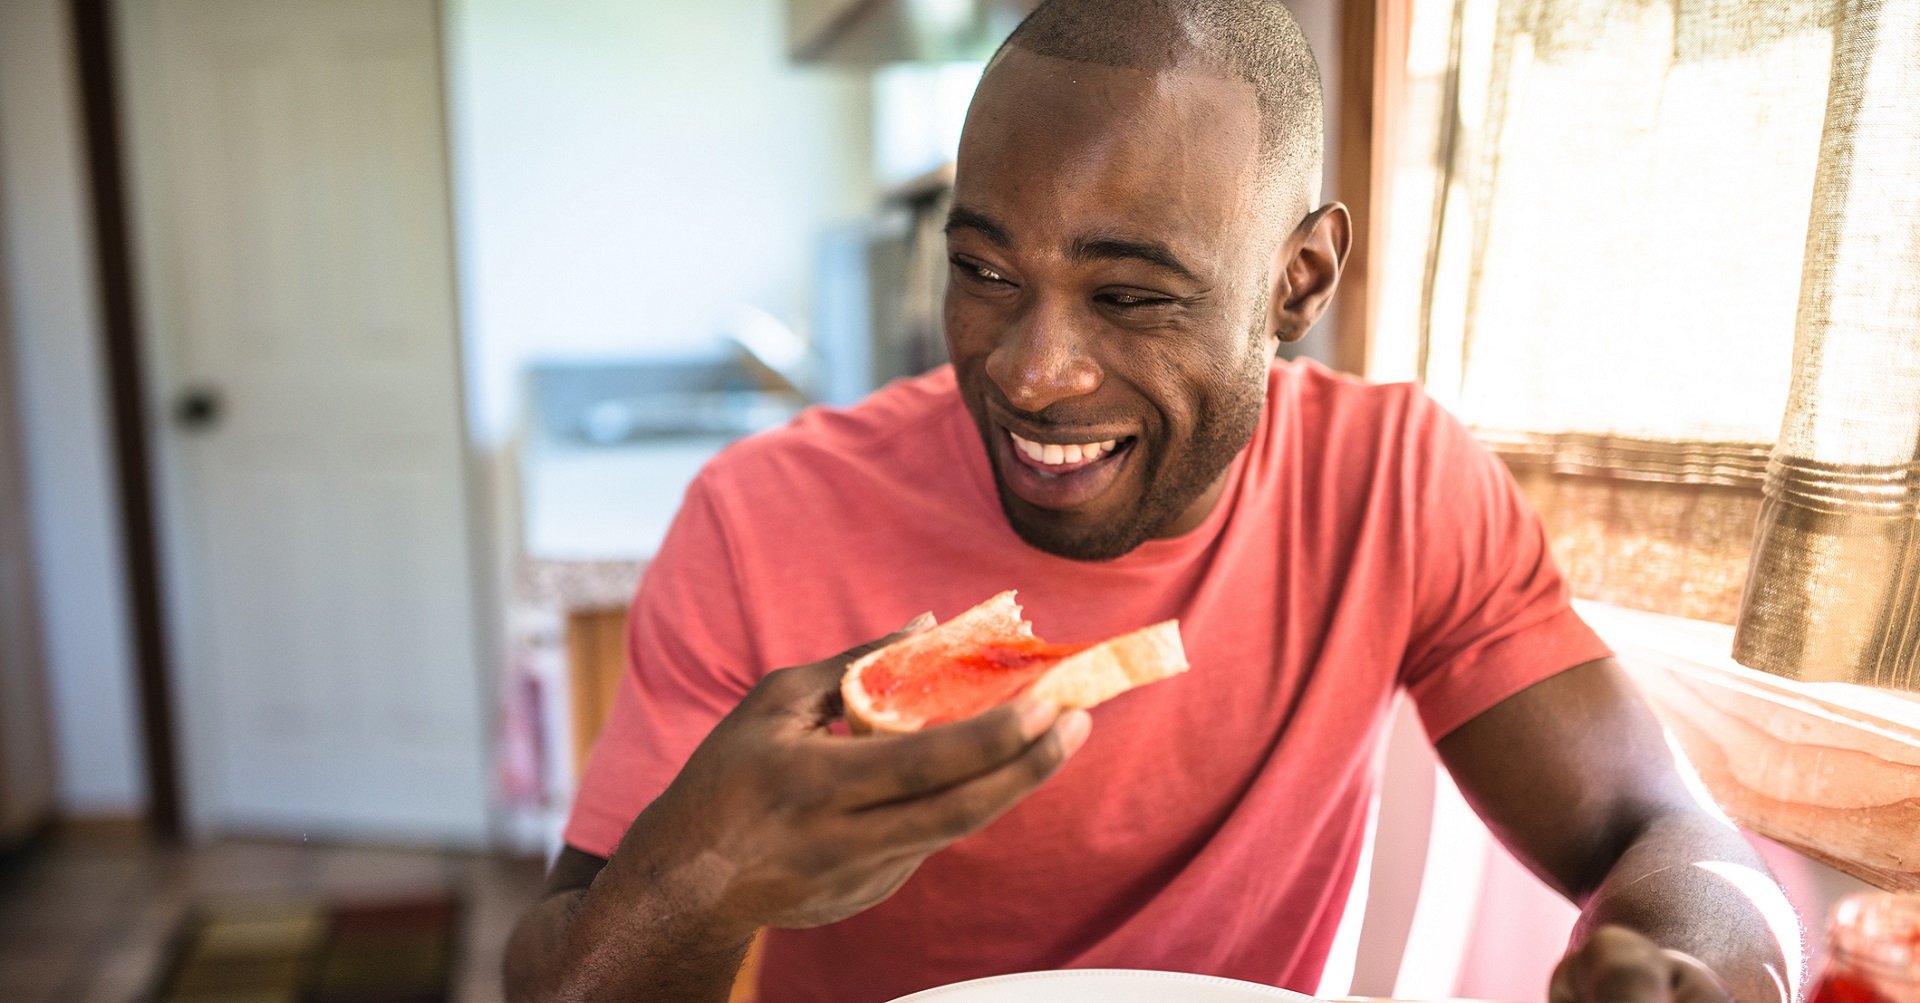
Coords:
1057,436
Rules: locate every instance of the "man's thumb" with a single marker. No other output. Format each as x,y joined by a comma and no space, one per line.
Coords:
908,629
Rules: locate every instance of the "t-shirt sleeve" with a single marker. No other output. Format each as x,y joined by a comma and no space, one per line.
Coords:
1492,614
689,661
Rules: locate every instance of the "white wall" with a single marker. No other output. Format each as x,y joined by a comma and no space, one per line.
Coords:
624,171
53,307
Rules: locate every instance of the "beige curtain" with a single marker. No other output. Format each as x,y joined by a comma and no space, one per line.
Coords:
1833,590
1630,229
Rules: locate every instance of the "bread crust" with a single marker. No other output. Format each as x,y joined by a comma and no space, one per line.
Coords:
1113,667
1082,679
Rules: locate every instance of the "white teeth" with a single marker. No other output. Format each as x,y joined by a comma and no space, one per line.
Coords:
1054,454
1034,450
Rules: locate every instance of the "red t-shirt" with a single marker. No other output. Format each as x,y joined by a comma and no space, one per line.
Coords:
1212,822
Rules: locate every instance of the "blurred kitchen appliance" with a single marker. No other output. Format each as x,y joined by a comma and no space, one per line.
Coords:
882,284
610,445
610,402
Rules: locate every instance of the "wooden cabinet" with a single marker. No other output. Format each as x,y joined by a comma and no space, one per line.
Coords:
596,659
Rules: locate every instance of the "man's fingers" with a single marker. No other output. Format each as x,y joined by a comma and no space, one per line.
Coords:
888,768
1615,965
1618,965
935,820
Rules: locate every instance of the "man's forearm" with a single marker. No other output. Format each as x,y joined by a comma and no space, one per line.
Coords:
1692,884
573,948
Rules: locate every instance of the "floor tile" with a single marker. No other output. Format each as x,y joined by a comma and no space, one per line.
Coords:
34,976
127,974
92,920
346,870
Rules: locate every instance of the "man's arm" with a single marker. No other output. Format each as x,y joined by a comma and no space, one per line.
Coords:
772,822
552,952
1574,775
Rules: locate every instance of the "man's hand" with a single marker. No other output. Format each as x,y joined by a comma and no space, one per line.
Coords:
1617,965
774,821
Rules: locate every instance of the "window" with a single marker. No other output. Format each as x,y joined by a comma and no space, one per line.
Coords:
1665,258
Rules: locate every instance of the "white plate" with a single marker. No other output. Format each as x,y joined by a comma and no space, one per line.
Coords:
1105,985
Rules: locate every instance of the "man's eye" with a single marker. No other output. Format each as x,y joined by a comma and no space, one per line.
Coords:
981,272
1132,300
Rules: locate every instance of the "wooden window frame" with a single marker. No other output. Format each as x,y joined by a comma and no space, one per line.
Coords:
1373,74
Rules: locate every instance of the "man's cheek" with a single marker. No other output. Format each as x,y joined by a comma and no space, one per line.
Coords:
969,330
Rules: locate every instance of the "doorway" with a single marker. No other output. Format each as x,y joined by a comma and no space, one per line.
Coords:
288,178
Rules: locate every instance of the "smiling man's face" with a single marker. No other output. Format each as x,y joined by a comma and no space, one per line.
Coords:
1107,306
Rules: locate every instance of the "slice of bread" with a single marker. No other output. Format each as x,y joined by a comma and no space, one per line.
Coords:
1076,676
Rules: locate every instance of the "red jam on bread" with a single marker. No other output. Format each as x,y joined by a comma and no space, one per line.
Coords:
988,656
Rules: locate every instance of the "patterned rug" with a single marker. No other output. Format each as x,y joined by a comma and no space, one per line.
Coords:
392,951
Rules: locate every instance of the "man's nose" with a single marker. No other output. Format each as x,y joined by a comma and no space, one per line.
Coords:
1044,357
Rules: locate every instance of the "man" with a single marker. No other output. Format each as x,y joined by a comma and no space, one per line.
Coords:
1130,240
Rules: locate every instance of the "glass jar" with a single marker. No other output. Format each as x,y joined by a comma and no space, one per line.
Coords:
1873,951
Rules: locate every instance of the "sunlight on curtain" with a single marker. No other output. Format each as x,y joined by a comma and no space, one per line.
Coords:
1835,586
1637,204
1614,229
1641,223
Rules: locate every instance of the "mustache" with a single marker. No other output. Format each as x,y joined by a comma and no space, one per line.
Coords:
1063,414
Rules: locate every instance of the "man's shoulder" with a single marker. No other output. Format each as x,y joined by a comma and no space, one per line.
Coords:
1347,412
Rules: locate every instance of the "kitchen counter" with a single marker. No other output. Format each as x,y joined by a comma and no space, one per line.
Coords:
607,503
565,585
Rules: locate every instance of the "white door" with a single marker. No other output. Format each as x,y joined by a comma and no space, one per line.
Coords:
290,178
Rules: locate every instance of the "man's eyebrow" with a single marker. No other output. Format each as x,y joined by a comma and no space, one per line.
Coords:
962,218
1101,248
1152,252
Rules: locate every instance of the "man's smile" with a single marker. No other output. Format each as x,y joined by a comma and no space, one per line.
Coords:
1060,471
1056,458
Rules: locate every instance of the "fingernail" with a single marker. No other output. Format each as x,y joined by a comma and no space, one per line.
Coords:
1075,725
916,625
1036,716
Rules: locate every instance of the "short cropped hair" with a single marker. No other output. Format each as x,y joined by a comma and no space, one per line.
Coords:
1257,41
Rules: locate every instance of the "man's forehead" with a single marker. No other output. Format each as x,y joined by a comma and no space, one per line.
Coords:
1090,150
1100,96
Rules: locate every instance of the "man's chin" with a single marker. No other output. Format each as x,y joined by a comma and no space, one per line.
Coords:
1056,533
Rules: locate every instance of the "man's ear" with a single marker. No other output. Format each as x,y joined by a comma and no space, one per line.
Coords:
1306,268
